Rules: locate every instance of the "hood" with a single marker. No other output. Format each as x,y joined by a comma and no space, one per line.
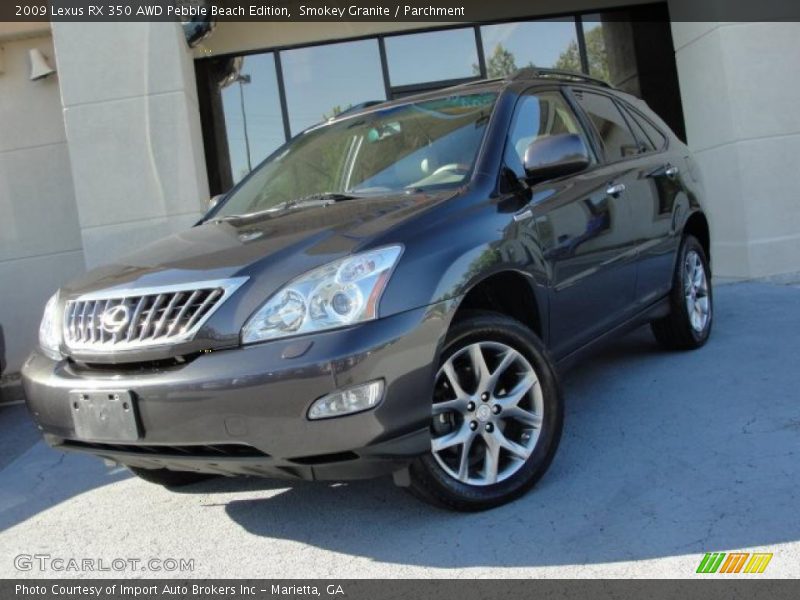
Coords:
283,245
262,255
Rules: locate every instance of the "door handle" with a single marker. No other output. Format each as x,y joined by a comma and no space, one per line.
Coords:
672,171
615,189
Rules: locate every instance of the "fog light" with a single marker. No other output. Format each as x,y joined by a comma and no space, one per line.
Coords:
346,402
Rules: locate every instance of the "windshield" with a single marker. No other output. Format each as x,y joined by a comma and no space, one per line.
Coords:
412,146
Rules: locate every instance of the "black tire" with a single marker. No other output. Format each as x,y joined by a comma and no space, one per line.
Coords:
675,331
167,478
431,483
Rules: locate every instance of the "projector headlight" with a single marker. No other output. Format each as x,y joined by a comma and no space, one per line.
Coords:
50,329
341,293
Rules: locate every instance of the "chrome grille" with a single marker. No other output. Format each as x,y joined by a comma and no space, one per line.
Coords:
134,318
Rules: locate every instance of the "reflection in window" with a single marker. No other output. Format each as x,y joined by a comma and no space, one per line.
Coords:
618,140
322,81
253,118
432,56
596,54
654,136
536,117
430,144
550,44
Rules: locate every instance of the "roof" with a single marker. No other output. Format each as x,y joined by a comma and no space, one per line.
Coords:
496,84
572,76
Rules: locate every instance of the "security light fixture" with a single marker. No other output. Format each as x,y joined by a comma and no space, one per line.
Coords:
40,68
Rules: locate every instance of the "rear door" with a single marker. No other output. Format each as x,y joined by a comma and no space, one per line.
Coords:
655,215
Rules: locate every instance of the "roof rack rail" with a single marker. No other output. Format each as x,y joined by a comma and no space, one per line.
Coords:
479,82
537,72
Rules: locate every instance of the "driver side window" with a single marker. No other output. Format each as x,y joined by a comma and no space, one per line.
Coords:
537,116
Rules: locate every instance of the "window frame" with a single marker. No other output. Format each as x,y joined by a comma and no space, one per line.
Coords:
589,124
634,113
560,90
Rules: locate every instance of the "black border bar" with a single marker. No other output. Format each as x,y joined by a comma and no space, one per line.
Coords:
364,10
731,588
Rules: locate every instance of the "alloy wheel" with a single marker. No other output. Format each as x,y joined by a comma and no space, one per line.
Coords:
487,413
695,291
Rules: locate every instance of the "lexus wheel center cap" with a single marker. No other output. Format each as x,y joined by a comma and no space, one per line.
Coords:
484,413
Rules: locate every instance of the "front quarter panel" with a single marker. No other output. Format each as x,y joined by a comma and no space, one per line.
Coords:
444,260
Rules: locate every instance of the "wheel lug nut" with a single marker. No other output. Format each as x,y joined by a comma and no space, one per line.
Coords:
473,425
489,427
470,406
496,409
485,396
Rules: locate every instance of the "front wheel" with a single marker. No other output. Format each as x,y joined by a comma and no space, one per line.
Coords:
691,301
497,416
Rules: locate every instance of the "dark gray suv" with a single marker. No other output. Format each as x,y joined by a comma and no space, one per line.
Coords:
390,292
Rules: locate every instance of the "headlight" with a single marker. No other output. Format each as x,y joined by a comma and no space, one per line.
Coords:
50,329
338,294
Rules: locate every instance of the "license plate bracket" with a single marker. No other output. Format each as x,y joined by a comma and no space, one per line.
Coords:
107,416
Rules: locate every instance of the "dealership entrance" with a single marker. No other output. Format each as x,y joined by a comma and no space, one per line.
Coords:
253,102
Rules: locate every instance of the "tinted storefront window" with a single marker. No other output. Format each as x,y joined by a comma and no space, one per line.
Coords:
253,120
318,81
432,56
324,80
596,53
549,44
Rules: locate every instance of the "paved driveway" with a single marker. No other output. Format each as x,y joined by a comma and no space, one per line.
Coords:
665,456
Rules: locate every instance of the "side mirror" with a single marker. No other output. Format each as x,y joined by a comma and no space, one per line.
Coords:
555,156
213,201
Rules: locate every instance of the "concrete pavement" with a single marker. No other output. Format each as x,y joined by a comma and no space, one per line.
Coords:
665,456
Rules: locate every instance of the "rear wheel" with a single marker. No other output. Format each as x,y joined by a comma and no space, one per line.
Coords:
691,301
167,478
497,416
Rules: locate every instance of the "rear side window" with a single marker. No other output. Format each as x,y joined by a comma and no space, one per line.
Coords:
537,116
618,140
652,139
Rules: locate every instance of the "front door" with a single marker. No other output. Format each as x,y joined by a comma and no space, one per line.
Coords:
582,223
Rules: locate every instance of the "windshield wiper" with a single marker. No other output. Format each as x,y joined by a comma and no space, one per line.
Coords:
319,199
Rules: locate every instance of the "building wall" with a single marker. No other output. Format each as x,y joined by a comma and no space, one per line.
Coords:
40,237
95,161
132,124
739,93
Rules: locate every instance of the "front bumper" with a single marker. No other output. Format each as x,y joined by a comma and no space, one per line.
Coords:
243,411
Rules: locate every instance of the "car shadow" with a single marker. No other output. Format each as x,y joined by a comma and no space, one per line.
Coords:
663,454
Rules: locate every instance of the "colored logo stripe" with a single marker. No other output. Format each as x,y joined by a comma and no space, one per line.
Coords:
735,561
758,563
711,562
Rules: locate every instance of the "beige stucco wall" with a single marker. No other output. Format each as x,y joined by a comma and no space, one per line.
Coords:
133,128
40,237
740,101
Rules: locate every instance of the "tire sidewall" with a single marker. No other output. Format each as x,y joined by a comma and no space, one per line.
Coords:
690,243
501,329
